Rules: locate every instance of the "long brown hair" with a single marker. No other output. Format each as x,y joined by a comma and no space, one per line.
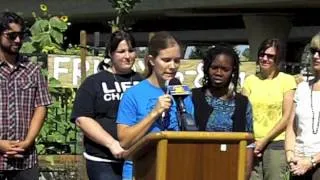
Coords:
268,43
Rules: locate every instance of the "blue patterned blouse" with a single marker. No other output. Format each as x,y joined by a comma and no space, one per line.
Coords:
220,118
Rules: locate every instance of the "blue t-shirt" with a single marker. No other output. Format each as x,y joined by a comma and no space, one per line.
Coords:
136,103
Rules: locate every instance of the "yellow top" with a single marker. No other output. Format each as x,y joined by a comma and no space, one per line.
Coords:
266,97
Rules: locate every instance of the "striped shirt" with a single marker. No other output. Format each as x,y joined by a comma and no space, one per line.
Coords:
22,89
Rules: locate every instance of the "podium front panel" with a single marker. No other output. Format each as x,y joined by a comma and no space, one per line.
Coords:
190,156
202,161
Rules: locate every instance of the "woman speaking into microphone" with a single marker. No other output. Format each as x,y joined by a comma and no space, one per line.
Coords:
146,107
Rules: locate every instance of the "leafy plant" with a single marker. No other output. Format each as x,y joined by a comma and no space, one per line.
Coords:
58,135
47,33
122,8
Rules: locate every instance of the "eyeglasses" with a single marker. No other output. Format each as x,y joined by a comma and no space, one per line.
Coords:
13,35
314,51
269,56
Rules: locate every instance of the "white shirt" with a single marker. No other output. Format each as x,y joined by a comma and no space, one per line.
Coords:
307,143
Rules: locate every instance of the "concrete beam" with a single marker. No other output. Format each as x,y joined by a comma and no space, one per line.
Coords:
210,36
99,10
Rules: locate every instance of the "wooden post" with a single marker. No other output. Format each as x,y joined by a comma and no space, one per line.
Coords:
83,54
96,43
82,173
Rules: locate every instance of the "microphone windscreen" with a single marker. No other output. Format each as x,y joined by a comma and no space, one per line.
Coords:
174,81
177,89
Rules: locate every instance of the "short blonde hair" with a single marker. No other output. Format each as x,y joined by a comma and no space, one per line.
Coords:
315,41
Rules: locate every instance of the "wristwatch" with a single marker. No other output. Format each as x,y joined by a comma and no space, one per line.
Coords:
313,162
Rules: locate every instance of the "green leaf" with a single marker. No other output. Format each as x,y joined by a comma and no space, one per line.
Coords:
71,136
56,137
44,72
61,130
44,25
73,148
44,40
55,22
53,81
39,26
56,36
35,28
36,38
40,148
27,47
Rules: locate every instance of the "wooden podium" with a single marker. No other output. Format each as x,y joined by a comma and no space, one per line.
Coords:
169,155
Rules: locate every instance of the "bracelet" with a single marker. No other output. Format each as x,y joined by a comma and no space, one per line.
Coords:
313,162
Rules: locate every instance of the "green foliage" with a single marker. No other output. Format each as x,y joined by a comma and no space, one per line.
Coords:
245,56
122,8
246,53
58,135
198,52
47,34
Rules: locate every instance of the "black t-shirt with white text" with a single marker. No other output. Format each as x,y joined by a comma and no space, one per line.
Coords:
98,97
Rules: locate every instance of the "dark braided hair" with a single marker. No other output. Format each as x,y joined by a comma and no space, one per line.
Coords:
211,55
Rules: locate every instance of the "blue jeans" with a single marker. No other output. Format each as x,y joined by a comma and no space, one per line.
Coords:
104,170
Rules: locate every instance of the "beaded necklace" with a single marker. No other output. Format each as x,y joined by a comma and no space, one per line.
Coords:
314,129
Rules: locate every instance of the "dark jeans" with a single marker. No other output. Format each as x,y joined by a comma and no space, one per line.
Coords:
104,171
27,174
313,174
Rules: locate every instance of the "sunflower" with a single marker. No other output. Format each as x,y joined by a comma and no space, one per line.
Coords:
44,7
64,18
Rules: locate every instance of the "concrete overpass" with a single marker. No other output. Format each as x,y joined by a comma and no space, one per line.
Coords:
193,21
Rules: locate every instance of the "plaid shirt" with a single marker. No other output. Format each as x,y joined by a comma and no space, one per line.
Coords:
22,89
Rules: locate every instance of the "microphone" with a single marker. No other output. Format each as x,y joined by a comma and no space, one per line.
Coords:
166,89
166,84
179,92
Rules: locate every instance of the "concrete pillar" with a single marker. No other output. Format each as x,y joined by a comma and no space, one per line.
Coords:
261,27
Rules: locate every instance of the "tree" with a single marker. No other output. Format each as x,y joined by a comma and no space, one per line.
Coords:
198,52
246,54
122,8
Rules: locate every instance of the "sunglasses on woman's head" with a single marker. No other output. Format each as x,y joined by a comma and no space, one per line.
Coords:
13,35
314,51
